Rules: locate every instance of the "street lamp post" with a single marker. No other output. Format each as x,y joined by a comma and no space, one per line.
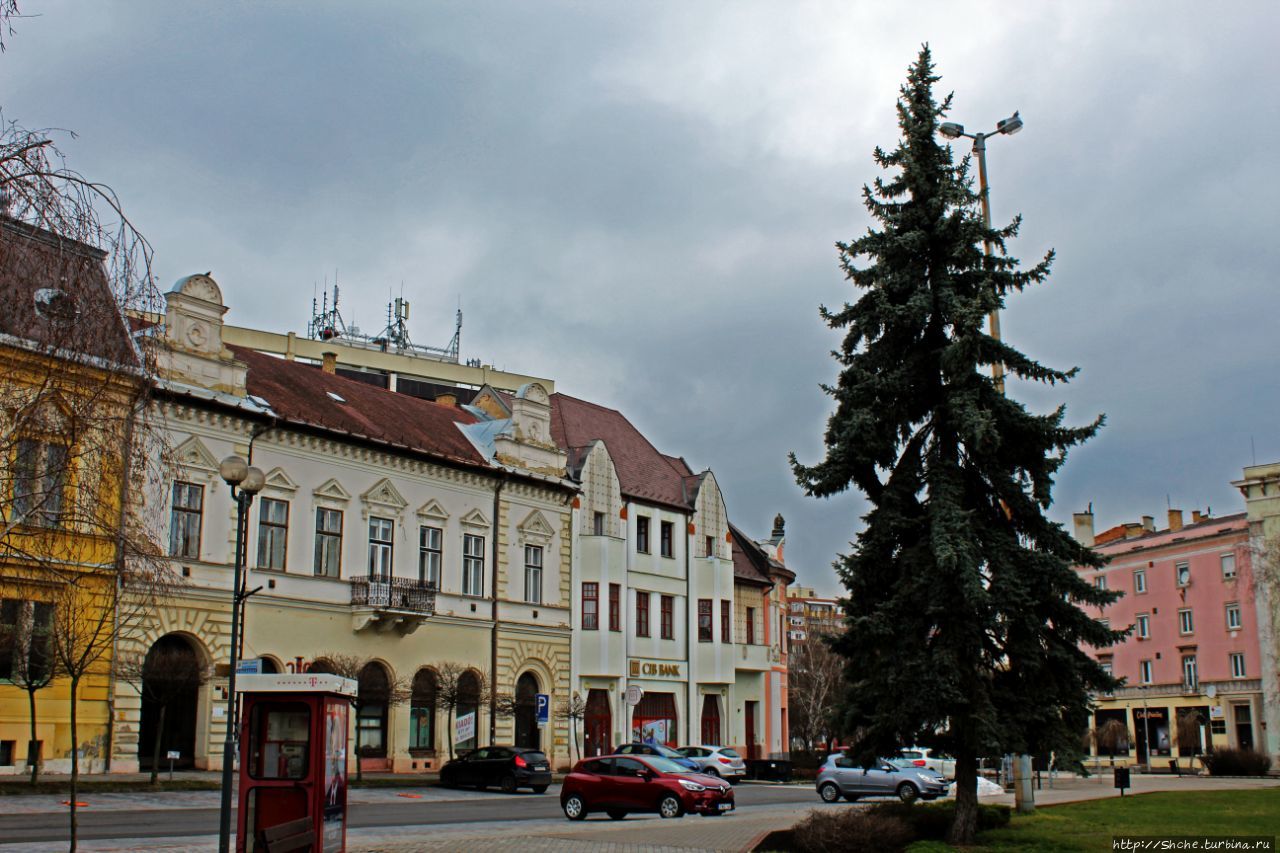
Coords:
1008,127
245,483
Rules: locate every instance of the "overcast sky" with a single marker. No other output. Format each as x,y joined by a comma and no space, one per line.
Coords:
640,201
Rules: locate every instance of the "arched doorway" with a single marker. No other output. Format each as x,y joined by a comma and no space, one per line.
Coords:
711,721
468,703
373,692
170,680
527,733
597,724
422,711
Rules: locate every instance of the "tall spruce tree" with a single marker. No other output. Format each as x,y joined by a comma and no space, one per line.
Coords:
965,631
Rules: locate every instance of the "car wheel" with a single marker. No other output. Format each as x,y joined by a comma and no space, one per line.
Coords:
508,784
574,807
616,814
711,771
829,792
670,806
539,789
908,793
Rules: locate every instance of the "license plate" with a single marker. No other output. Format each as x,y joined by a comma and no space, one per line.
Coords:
724,807
539,767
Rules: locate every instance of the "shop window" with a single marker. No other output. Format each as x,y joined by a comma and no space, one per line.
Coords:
273,533
328,543
422,711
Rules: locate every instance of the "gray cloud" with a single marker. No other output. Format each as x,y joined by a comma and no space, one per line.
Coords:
641,201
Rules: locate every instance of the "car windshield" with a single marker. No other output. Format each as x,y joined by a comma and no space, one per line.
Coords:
666,765
729,752
666,751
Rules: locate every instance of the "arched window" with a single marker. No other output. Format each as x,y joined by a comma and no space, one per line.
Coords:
422,711
371,714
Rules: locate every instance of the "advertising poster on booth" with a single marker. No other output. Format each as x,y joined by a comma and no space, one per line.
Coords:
335,775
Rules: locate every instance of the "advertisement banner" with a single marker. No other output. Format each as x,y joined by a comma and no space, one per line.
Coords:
464,728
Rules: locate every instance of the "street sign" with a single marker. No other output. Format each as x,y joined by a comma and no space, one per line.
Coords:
252,666
173,755
634,694
544,709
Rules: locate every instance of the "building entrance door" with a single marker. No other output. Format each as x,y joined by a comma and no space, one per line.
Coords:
1244,726
711,721
753,749
597,725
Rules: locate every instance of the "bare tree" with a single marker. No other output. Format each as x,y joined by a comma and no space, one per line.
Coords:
33,667
164,675
1112,736
573,710
457,690
815,682
384,688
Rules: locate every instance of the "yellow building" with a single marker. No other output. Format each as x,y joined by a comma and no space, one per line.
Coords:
69,377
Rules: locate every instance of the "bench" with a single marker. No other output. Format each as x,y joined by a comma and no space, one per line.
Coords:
283,837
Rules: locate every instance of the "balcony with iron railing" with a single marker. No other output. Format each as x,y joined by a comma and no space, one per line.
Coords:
391,604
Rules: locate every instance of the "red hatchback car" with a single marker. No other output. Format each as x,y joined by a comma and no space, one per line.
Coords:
619,785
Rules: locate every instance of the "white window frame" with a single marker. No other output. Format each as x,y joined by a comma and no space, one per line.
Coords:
472,564
1142,626
1186,621
1190,672
1228,563
1140,582
533,574
1146,673
273,536
1182,573
1100,582
1236,659
325,536
1234,622
381,550
430,554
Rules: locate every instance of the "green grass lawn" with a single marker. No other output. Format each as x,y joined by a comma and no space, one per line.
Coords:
1090,825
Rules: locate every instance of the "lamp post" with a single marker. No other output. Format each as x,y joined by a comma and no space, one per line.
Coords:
1008,127
245,482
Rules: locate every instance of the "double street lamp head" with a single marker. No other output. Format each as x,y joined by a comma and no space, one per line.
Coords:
236,472
951,130
1011,125
1008,126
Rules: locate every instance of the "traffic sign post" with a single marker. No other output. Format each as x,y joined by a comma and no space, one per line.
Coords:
544,709
173,756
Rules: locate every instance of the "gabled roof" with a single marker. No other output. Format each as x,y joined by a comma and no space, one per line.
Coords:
644,473
55,294
303,394
750,563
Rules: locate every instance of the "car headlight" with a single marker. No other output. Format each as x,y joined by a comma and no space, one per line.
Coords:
692,786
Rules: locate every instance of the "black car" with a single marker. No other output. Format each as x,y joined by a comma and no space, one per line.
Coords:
507,767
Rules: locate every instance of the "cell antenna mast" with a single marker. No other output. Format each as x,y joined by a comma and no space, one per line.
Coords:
327,324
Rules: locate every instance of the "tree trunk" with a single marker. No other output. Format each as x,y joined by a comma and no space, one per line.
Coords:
359,757
449,733
155,747
31,744
75,762
965,824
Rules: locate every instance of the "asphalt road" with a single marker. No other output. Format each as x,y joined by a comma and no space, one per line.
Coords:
493,808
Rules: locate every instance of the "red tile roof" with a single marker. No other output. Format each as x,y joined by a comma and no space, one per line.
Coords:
644,473
299,393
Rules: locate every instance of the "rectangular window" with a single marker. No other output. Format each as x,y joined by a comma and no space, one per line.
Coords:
184,524
39,482
667,604
25,635
1237,665
705,628
328,543
726,635
380,548
597,523
1189,679
751,626
1233,617
1100,582
615,607
1142,626
430,555
533,574
1106,667
1144,672
590,606
273,533
472,564
1185,623
1140,581
1183,573
710,543
642,614
642,534
1228,566
667,538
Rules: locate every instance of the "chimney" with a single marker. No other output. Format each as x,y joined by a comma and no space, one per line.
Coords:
330,364
1132,530
1149,523
446,399
1175,519
1084,528
1196,517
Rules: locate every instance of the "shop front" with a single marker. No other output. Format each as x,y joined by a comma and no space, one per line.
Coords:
1151,734
656,718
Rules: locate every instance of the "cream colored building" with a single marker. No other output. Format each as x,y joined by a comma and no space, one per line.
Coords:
400,534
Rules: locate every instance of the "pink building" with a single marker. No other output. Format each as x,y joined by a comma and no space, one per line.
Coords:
1191,663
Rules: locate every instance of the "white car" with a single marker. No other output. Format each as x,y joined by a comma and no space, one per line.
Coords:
922,756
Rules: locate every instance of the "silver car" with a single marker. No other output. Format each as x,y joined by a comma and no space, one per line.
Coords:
841,776
716,761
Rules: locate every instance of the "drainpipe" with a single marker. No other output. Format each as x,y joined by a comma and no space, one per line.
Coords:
690,606
493,632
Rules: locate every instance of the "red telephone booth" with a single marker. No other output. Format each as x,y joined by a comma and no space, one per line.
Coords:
293,762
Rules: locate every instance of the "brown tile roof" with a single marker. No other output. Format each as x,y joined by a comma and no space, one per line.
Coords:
750,563
644,473
299,393
33,260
